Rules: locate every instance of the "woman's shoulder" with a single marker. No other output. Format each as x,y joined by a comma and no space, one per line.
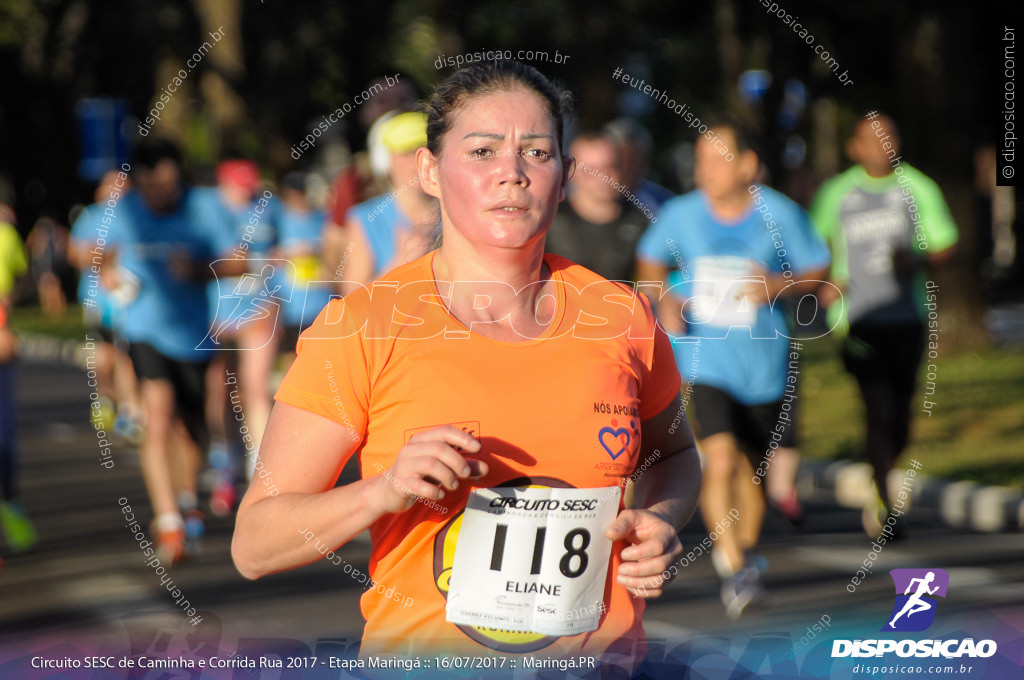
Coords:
599,307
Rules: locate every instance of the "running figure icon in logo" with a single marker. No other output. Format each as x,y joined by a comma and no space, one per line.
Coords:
924,583
254,300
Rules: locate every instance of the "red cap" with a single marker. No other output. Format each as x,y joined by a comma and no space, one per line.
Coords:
239,173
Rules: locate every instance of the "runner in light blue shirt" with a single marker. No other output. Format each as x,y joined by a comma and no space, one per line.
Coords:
737,248
743,345
163,247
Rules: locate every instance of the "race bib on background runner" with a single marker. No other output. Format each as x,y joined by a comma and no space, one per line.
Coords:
717,281
533,559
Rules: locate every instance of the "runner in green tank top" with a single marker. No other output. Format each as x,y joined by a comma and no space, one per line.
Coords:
887,224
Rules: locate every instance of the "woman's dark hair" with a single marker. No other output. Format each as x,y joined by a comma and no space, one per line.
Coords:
485,78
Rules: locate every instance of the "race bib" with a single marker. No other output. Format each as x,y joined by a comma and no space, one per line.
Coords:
717,283
533,559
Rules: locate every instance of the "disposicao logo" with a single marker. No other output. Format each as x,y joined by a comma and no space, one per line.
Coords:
914,611
915,589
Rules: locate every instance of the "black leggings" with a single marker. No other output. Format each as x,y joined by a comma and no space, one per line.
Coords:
884,361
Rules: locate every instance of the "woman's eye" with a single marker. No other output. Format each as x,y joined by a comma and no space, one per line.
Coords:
538,154
480,153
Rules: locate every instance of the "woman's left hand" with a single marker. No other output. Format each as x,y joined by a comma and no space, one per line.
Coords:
653,547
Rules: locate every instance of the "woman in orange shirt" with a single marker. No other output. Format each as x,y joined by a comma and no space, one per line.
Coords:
496,396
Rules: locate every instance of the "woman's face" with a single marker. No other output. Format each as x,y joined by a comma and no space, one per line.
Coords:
500,175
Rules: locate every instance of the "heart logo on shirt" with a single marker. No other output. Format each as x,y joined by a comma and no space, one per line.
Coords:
614,442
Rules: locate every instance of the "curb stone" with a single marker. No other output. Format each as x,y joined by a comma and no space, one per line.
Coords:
962,504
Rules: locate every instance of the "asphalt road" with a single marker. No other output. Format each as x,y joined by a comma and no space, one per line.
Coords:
86,586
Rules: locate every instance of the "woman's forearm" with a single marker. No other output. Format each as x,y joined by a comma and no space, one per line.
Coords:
273,533
671,487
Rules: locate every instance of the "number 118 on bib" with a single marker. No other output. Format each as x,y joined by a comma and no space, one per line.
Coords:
528,558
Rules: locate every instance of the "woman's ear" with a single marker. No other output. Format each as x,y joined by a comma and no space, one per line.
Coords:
568,170
426,168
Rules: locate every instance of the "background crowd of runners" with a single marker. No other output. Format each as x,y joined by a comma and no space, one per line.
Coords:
197,295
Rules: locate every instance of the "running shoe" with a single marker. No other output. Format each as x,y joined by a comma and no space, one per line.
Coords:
791,509
129,428
755,561
218,460
222,499
721,563
170,546
218,456
741,590
873,517
18,529
194,530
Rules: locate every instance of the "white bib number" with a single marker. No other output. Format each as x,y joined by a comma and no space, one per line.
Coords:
533,559
717,282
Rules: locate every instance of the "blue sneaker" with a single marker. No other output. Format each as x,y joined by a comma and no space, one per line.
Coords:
752,560
194,530
128,428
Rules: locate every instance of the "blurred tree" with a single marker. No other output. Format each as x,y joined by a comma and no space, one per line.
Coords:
281,67
900,57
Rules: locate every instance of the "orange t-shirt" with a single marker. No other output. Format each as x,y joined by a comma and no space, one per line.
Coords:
562,410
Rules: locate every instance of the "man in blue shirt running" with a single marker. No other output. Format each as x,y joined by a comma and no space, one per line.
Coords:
735,250
164,242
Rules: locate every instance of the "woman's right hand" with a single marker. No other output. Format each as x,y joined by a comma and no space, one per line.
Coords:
428,464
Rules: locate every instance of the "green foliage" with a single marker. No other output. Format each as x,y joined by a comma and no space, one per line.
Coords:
975,430
32,320
19,18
